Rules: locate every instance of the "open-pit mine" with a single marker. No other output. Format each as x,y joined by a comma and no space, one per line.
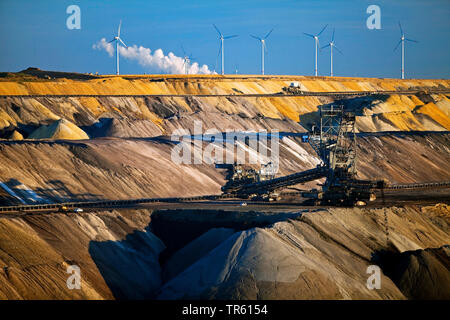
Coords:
360,181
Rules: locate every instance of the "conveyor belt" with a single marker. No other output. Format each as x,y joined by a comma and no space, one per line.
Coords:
103,204
430,185
289,180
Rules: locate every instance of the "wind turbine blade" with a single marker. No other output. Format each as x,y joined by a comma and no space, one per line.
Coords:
322,30
338,50
397,45
318,44
401,30
332,38
308,34
325,46
257,38
412,40
123,42
111,40
229,37
118,30
217,29
184,52
267,35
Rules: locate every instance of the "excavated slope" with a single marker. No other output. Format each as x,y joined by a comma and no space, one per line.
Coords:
115,168
322,254
36,251
122,254
206,84
59,130
152,116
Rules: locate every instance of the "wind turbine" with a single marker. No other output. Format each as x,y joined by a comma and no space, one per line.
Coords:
263,48
186,60
331,45
402,41
117,39
316,43
221,38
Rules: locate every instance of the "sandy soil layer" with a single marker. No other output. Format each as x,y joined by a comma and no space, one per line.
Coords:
318,254
152,116
143,168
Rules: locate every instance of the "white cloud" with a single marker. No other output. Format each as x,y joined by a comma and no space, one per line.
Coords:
155,61
103,45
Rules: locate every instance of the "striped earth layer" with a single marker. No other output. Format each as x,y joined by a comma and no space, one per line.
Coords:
22,108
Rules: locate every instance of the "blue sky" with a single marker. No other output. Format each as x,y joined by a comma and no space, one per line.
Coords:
34,33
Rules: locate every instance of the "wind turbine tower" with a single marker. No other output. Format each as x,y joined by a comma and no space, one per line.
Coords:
186,60
117,39
402,41
316,43
263,48
221,49
331,45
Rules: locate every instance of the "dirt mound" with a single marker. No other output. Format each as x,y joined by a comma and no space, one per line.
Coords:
322,255
252,264
431,110
59,130
110,127
195,249
44,74
16,135
117,256
419,274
